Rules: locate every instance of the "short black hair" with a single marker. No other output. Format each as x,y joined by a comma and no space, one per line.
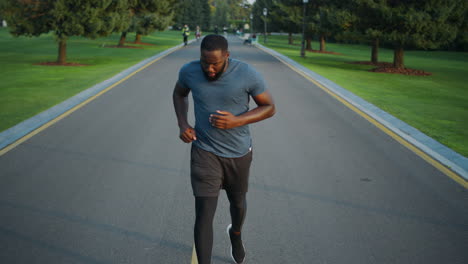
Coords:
214,42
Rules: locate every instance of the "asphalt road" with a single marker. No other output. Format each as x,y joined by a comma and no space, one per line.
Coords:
110,184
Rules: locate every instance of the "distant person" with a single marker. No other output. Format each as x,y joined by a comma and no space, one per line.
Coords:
216,30
221,151
185,34
198,33
250,40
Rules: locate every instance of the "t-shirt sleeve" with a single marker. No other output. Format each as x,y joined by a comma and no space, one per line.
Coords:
256,81
182,77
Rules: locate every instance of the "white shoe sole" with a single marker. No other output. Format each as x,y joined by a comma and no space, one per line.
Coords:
232,256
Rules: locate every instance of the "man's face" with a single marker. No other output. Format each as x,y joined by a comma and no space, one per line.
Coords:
214,63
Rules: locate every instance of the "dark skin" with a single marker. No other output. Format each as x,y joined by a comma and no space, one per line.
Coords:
214,63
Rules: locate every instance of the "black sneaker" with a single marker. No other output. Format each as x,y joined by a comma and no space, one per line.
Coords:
237,248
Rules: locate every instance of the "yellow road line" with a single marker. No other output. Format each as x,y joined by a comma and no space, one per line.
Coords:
194,256
67,113
454,176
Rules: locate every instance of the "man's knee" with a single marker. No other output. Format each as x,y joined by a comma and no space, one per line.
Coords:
237,200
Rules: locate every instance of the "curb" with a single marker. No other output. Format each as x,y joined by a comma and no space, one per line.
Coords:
15,133
444,155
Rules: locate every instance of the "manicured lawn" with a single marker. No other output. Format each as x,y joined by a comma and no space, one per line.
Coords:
27,89
437,104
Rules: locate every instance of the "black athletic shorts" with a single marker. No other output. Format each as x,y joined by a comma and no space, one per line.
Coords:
210,173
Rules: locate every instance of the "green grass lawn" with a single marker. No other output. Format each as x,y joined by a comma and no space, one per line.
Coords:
437,104
27,89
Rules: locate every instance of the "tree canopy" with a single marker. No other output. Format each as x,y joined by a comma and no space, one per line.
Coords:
400,24
429,24
148,16
65,18
210,13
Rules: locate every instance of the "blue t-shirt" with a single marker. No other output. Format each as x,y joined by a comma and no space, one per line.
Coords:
231,92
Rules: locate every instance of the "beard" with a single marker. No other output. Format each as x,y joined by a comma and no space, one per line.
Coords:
217,75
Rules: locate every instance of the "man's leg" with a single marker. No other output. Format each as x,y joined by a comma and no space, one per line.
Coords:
238,209
206,177
205,208
236,180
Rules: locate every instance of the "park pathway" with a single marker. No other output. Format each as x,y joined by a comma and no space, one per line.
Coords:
110,184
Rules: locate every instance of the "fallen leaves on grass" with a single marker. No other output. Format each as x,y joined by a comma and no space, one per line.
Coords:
324,52
142,43
386,67
60,64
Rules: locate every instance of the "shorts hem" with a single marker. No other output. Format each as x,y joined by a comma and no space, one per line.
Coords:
221,154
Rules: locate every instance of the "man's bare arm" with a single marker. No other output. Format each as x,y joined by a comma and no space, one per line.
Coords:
265,109
181,106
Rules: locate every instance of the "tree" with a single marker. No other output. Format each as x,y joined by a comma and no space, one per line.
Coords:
259,19
288,15
147,16
295,12
238,12
220,16
193,13
369,23
2,7
330,17
200,14
461,41
182,13
158,16
426,24
206,15
96,18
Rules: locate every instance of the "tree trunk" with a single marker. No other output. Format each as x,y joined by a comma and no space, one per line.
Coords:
322,43
122,39
62,51
398,58
375,51
308,44
290,39
138,38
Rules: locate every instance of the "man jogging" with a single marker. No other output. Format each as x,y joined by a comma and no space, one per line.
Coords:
221,151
